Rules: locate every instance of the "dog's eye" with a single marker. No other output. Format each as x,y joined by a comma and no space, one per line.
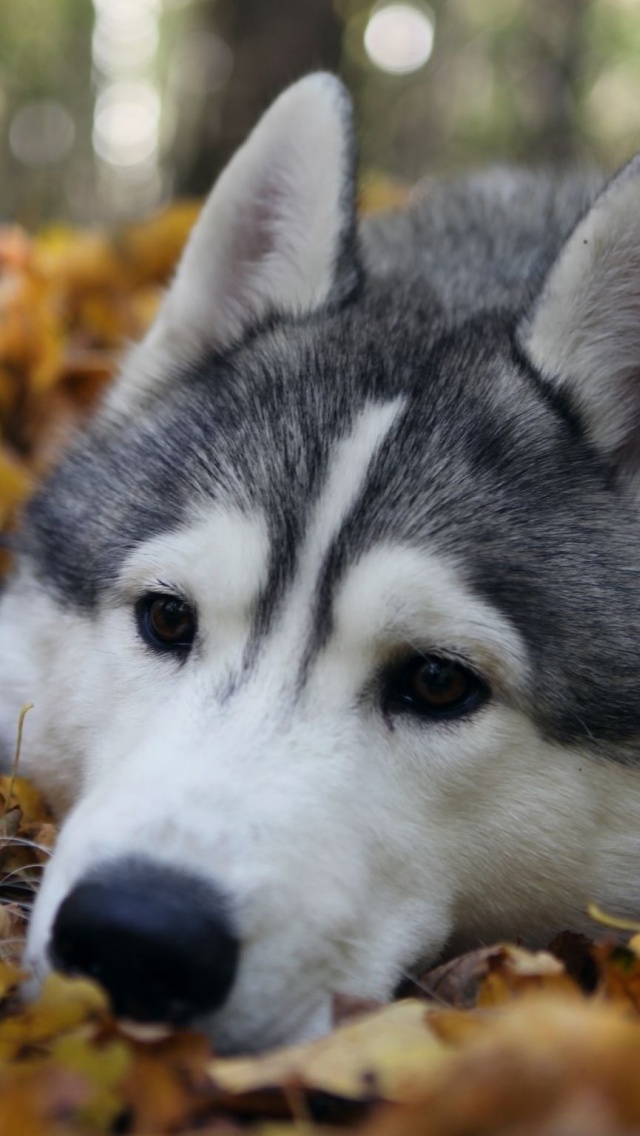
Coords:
434,687
167,623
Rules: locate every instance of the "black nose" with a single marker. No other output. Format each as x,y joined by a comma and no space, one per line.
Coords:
160,941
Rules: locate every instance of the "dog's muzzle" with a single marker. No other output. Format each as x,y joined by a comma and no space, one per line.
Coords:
160,941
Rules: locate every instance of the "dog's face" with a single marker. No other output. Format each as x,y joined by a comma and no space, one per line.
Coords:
331,622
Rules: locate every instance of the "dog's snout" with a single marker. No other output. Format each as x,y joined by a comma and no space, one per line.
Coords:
160,941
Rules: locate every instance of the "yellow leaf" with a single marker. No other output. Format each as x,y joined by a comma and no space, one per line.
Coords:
103,1067
377,1056
10,978
29,799
63,1004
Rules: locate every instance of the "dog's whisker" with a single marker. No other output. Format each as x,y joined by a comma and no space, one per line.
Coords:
20,910
24,842
18,871
432,995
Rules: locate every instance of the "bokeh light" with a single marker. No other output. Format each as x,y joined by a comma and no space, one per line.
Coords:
126,123
398,37
128,108
41,133
202,63
119,48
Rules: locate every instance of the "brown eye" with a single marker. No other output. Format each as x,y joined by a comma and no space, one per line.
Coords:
434,687
439,682
166,622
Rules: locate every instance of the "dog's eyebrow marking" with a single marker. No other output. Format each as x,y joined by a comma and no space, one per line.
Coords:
347,470
219,559
400,594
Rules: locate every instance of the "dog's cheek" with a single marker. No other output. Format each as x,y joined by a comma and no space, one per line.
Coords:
40,645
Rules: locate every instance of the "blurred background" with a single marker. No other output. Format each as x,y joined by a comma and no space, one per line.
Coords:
109,108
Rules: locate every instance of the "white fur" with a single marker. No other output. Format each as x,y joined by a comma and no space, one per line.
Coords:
585,331
351,843
266,240
349,846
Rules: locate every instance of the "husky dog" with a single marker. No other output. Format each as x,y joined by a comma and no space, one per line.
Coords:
331,618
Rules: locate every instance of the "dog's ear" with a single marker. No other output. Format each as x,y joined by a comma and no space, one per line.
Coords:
276,235
584,332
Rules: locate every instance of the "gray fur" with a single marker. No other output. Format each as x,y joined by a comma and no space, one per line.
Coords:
355,455
493,468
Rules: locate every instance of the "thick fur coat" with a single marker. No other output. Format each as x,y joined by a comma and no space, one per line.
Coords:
331,617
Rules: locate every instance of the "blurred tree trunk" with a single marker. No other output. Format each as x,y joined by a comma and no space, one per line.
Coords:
557,49
273,43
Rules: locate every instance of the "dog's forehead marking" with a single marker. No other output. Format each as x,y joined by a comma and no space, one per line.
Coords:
347,470
390,594
219,560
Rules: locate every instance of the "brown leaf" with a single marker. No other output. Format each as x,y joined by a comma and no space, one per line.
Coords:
489,975
456,982
575,952
619,974
168,1083
514,972
35,1102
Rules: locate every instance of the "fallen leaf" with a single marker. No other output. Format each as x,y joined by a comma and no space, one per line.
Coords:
29,800
63,1004
513,972
168,1083
527,1069
489,975
102,1068
372,1058
619,974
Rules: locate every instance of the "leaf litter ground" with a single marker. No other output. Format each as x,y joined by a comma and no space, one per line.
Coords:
498,1041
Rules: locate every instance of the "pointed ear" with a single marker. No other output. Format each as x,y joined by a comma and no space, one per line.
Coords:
276,235
584,332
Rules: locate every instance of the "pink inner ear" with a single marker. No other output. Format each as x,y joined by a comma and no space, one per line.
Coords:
253,240
270,235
